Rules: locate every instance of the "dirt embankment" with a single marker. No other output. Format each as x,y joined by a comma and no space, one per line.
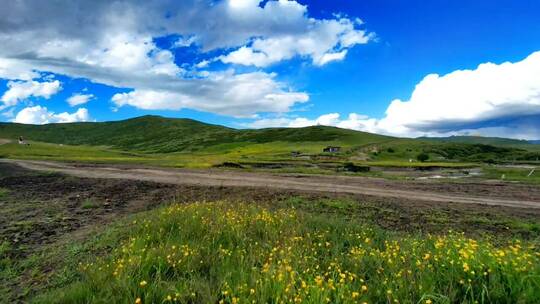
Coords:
496,194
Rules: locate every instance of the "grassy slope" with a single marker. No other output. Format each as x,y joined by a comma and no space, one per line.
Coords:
494,141
403,149
164,135
148,134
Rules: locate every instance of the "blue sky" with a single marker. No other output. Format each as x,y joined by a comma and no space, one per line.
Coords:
407,68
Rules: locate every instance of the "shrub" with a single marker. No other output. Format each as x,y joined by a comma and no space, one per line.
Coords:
422,157
355,168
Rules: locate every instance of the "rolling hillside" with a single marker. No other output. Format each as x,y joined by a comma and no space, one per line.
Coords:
493,141
154,134
200,143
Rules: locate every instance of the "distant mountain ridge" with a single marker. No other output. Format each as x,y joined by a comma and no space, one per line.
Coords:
156,134
494,141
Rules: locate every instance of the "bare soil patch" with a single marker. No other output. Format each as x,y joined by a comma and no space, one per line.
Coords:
488,193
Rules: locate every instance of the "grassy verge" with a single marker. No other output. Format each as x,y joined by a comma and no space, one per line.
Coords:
251,156
241,253
513,174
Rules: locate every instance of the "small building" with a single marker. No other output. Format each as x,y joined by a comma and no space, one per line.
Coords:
332,149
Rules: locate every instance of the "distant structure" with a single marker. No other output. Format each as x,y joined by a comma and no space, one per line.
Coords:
22,142
332,149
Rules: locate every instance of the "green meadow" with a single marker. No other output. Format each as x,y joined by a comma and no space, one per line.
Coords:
244,253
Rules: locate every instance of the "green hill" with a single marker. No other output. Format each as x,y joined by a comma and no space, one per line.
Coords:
154,134
493,141
188,141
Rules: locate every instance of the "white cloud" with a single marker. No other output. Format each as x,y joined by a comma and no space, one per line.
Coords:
328,57
203,64
523,128
79,99
491,100
247,56
113,43
464,98
40,115
20,90
353,121
15,69
323,41
227,94
185,41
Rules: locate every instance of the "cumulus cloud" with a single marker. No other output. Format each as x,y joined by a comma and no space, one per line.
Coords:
465,98
113,43
353,121
41,115
79,99
491,100
328,57
20,90
16,69
323,41
519,128
226,93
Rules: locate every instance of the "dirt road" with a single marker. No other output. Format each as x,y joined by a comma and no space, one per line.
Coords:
501,194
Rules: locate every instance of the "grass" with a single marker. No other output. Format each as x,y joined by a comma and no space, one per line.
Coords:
243,253
513,174
252,154
3,192
493,141
89,204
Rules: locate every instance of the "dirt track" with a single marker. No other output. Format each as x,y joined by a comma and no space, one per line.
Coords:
501,194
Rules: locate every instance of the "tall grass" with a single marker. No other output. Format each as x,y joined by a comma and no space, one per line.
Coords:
240,253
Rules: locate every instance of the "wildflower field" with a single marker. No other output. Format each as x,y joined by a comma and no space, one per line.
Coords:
243,253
